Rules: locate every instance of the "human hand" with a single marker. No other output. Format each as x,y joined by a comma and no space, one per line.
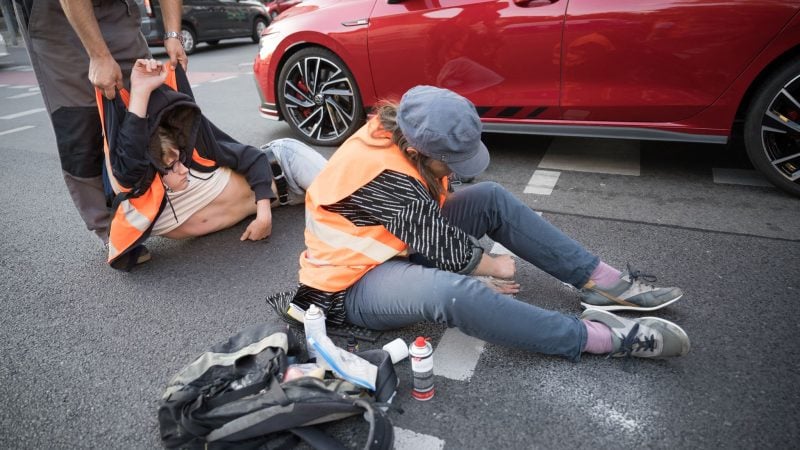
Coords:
258,229
177,55
499,285
147,75
105,74
503,266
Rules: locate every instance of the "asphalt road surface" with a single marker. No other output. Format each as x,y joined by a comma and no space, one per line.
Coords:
87,351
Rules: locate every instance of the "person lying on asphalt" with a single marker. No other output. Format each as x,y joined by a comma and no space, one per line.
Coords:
210,181
389,246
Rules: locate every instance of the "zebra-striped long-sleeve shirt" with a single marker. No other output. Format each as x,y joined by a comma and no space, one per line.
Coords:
404,206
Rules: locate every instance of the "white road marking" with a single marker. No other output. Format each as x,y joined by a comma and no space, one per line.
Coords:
542,182
23,95
246,64
409,440
36,89
739,177
3,85
613,156
457,355
14,130
223,79
23,113
21,86
20,68
194,85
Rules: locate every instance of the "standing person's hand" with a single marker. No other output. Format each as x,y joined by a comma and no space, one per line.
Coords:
176,53
105,74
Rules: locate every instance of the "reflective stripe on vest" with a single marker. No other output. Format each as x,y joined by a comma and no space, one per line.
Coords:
338,253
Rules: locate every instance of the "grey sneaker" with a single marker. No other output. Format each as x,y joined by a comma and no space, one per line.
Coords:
647,337
633,291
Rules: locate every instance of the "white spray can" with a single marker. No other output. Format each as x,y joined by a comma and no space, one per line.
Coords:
421,354
314,326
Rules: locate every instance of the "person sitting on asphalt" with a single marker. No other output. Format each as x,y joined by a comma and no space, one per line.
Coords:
384,194
219,185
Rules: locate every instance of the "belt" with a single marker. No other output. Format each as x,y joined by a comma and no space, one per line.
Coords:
277,175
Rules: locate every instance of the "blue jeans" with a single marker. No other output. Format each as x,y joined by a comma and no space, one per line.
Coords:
399,293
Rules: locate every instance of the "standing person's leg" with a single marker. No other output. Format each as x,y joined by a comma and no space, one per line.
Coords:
61,67
398,293
488,209
300,163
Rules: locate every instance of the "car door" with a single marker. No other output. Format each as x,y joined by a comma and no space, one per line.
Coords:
659,60
503,55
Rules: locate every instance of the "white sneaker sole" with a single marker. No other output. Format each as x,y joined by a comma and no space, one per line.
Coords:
616,307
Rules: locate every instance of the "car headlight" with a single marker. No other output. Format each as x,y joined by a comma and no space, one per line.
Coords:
268,43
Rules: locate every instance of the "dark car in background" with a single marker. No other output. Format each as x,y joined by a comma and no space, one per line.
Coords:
207,21
276,7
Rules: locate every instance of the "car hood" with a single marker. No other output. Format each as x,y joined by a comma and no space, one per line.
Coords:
357,8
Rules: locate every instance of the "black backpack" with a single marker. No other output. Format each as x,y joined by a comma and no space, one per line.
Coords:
233,396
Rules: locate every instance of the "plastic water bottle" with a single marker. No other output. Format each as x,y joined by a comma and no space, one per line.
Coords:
421,353
314,326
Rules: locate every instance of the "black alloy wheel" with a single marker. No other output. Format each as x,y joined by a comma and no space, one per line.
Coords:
259,25
319,98
189,39
772,128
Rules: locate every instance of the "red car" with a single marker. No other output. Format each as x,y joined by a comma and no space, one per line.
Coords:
673,70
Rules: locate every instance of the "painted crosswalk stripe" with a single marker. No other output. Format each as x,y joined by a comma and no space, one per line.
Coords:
739,177
23,95
409,440
23,113
457,355
14,130
612,156
223,79
542,182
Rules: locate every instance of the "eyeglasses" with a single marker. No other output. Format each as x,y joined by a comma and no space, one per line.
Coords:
171,167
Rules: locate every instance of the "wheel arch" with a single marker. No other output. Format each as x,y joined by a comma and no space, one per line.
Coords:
792,54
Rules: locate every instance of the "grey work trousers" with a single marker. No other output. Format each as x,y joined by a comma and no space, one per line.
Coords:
61,66
399,293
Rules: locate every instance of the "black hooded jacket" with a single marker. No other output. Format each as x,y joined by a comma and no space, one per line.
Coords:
136,153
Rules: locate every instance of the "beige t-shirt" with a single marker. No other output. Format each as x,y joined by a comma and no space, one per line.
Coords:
200,192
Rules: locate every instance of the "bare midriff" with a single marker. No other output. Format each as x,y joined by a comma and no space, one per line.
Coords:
232,205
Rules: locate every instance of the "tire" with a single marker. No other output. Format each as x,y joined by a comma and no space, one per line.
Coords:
318,97
772,128
258,26
273,15
189,39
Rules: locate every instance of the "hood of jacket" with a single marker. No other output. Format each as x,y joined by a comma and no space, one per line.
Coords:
178,113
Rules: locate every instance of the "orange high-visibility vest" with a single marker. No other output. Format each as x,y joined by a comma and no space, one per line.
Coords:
134,216
338,252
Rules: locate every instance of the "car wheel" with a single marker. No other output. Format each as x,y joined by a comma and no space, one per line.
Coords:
319,98
258,26
189,39
273,15
772,128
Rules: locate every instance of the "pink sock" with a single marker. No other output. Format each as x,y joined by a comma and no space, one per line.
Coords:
598,338
604,275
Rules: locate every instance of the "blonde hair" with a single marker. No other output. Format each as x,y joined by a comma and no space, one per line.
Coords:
387,116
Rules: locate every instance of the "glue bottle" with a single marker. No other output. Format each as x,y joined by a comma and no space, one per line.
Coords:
421,353
314,326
